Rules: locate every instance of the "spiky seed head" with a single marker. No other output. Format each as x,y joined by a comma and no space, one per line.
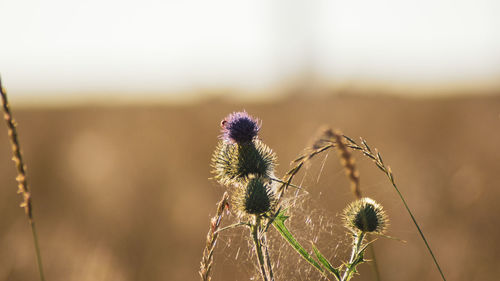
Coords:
239,127
235,162
255,196
365,215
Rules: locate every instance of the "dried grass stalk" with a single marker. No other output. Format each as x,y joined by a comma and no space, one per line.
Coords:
208,252
17,158
23,188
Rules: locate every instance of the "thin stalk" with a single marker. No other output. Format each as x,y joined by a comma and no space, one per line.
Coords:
231,226
21,176
289,184
418,228
37,250
254,229
374,263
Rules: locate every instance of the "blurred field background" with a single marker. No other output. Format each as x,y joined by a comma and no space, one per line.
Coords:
119,104
122,193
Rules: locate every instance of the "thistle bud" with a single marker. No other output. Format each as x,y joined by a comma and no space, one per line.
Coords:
254,197
365,215
235,162
239,127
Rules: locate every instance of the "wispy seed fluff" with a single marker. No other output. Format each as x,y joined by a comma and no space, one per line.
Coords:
235,162
254,197
239,127
365,215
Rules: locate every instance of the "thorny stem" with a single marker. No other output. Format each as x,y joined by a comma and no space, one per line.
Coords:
358,241
21,176
268,257
254,229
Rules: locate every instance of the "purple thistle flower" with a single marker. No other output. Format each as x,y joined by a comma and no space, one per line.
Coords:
239,127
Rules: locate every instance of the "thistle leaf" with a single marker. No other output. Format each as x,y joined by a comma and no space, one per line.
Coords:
279,224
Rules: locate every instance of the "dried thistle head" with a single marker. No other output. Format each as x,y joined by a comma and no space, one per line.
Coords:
235,162
239,127
365,215
254,197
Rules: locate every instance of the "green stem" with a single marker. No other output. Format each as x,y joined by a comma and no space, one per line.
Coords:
258,247
358,240
37,251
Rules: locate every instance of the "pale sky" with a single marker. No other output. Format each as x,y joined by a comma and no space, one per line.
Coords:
67,47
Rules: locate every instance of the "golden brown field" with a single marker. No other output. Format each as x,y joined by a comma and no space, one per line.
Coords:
123,193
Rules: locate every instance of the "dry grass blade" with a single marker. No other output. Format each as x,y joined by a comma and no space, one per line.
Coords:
21,174
208,252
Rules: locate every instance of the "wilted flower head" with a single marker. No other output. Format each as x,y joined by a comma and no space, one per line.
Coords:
365,215
254,197
239,127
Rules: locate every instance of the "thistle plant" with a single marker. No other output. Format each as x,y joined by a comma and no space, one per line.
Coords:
245,166
361,217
